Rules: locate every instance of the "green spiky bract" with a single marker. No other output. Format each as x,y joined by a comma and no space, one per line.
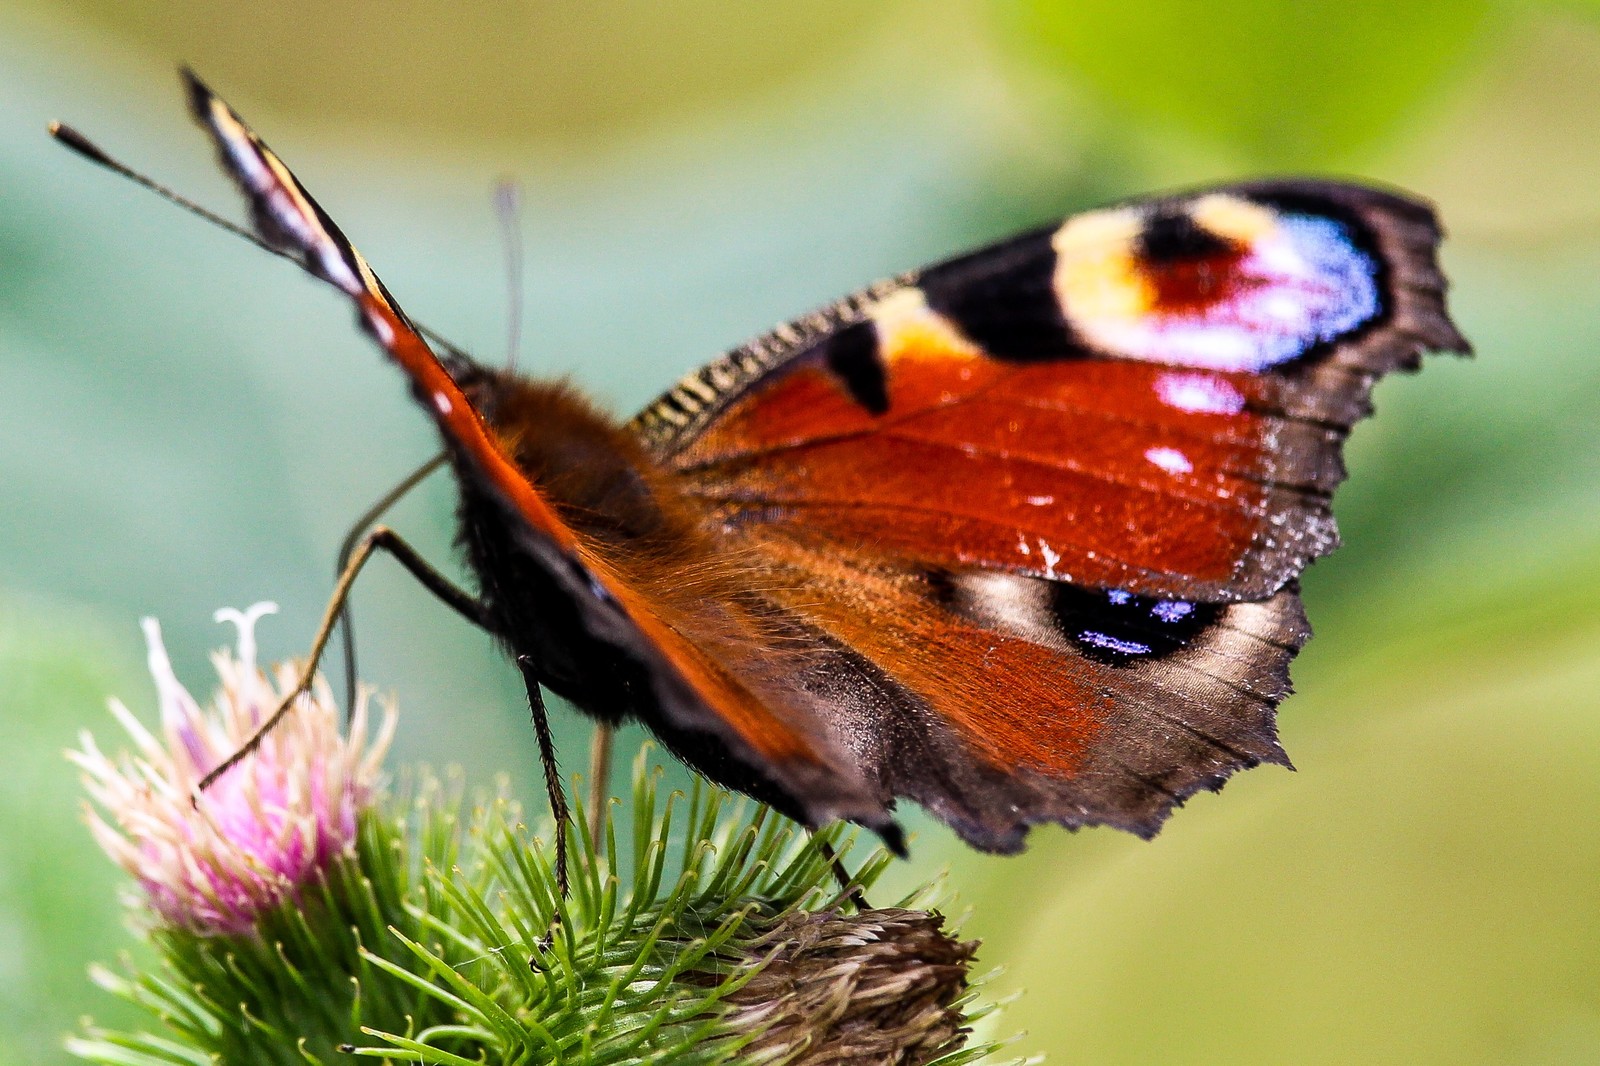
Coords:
443,940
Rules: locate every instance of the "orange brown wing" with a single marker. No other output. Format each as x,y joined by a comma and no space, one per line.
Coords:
999,701
1046,503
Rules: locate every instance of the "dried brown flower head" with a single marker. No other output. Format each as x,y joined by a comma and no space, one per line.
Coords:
874,987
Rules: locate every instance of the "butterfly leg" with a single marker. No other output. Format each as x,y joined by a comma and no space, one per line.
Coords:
847,883
552,772
600,776
347,548
385,539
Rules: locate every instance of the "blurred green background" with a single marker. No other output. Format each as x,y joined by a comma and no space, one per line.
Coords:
188,424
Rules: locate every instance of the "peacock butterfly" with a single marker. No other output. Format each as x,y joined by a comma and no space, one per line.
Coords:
1015,536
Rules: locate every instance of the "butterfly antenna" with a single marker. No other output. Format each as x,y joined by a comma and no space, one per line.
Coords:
76,141
83,146
508,209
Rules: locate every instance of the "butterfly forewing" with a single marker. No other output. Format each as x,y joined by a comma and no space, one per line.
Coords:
1165,415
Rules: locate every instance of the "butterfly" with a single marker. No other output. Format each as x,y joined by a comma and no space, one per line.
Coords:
1014,537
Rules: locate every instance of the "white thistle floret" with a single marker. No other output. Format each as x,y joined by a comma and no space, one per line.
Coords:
268,827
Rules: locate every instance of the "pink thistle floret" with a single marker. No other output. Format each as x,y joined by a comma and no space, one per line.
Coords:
267,828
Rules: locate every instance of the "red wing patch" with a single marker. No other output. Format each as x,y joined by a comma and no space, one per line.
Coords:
1114,474
1151,398
999,701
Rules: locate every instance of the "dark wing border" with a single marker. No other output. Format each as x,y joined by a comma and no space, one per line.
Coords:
676,417
1398,223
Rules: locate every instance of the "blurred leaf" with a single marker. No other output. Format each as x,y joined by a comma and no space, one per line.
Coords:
566,69
1284,84
58,907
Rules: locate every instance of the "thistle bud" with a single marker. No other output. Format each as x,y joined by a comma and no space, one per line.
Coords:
878,986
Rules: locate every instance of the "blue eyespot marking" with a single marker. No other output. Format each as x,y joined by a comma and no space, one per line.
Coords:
1172,610
1346,276
1222,283
1106,642
1120,628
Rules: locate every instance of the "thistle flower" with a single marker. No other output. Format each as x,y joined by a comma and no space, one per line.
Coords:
303,919
212,864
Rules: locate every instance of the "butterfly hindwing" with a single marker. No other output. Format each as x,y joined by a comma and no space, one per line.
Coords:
999,701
